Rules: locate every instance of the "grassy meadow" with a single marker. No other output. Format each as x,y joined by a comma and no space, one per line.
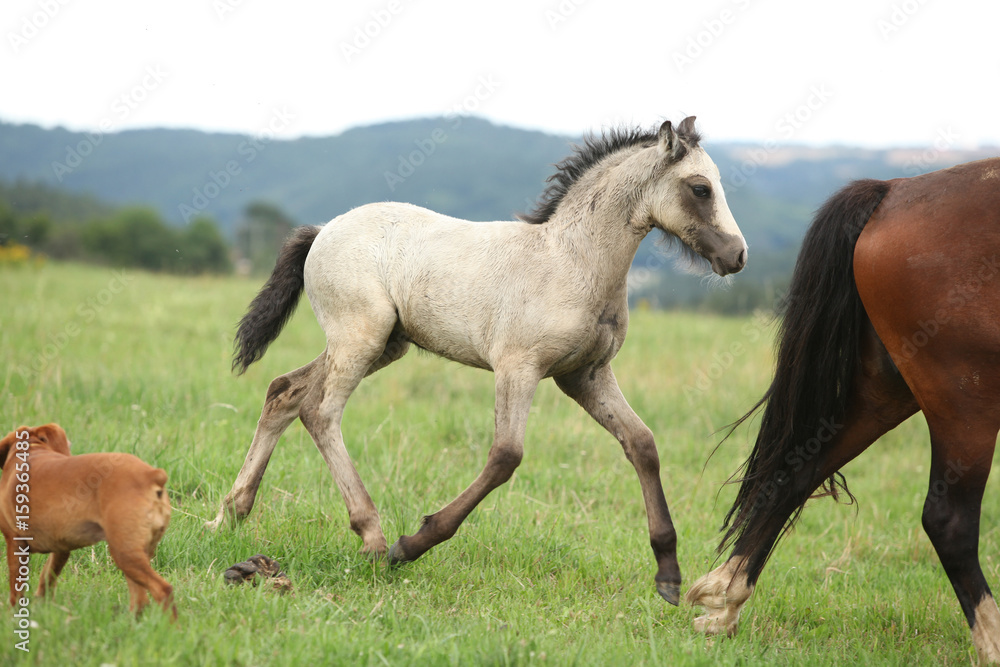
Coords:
553,568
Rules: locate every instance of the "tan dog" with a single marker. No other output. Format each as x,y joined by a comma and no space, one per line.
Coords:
52,502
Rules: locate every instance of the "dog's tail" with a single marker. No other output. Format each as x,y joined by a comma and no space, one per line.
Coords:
159,506
274,304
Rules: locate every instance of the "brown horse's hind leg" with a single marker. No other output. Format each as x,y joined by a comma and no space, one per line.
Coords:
514,391
284,396
596,390
880,401
962,454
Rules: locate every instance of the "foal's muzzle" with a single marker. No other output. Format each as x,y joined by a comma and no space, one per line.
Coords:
726,252
732,261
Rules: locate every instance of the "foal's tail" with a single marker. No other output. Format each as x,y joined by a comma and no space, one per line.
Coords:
274,304
817,354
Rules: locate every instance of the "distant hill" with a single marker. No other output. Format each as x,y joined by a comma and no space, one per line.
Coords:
459,166
466,167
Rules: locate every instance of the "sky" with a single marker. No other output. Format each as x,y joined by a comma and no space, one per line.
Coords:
870,73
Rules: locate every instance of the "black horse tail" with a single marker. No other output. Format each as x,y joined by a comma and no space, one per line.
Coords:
271,309
817,355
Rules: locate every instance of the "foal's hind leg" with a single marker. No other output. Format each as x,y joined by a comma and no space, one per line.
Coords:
514,390
597,391
350,356
281,407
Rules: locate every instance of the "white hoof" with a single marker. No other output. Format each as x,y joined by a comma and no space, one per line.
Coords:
986,632
722,592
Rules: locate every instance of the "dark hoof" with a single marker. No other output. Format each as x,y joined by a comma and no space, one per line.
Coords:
669,592
396,555
260,565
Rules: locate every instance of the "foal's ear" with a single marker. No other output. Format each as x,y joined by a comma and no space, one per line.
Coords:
670,142
686,128
667,137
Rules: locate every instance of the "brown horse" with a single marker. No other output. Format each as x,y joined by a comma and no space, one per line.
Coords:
894,307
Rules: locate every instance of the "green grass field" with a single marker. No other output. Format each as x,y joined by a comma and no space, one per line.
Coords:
553,568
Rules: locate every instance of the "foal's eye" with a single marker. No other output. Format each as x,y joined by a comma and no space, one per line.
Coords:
701,191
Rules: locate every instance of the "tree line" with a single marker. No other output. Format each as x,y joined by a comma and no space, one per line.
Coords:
42,221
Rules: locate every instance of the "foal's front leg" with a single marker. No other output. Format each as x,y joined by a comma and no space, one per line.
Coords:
597,391
514,389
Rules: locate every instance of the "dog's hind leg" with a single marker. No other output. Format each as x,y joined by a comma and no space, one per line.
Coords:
281,407
133,532
157,586
50,571
137,595
132,558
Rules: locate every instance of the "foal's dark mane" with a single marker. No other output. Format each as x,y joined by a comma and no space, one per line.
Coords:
593,150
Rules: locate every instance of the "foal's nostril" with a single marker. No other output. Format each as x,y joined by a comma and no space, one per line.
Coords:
741,259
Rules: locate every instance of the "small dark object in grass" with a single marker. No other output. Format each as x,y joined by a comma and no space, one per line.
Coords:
258,565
